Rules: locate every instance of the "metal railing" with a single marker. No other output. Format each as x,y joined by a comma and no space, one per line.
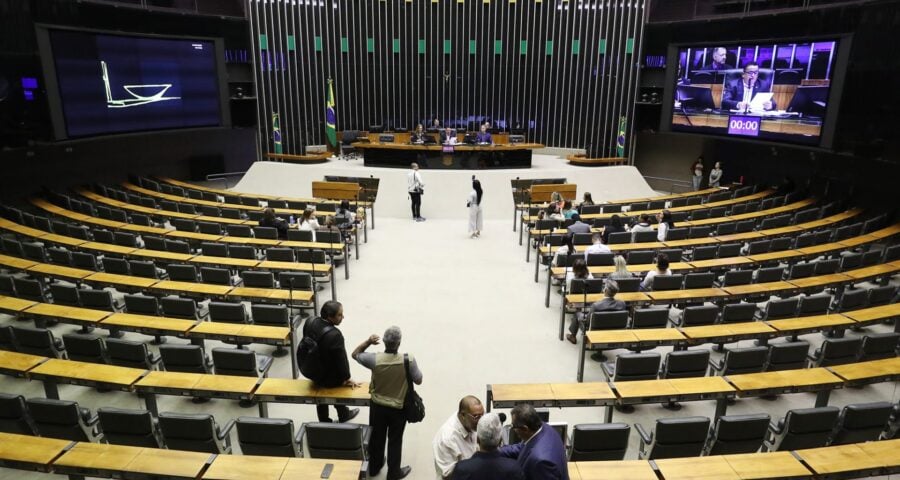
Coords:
670,185
223,177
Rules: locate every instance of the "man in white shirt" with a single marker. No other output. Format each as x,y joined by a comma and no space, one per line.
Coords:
456,440
597,247
415,187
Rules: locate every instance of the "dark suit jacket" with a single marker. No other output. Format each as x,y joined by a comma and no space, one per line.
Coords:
734,93
417,137
444,136
542,458
488,466
332,352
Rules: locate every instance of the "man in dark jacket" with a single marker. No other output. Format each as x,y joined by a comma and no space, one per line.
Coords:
333,357
541,453
486,463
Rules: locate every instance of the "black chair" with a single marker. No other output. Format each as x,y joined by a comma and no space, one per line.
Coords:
608,320
265,232
826,267
677,234
642,237
769,274
685,364
836,351
182,273
673,438
30,289
780,244
632,366
300,280
667,282
85,261
178,246
629,284
127,353
881,295
801,270
619,238
342,441
706,252
116,266
126,239
258,279
242,251
734,434
154,243
274,315
85,348
195,432
851,299
214,249
878,346
650,318
592,442
185,358
7,342
38,341
673,254
34,251
182,308
184,224
99,300
63,419
861,422
787,356
738,312
59,256
759,246
239,230
14,417
600,259
143,269
280,254
814,304
802,428
698,315
737,277
640,257
295,235
740,360
242,363
781,308
273,437
728,250
7,287
65,295
210,228
231,213
702,231
135,428
217,276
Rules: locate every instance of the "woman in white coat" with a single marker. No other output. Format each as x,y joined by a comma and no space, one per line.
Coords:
476,219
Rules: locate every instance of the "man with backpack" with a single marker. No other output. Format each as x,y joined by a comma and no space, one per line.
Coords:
323,357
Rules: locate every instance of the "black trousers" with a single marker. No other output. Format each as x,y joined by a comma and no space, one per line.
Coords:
389,423
416,204
322,411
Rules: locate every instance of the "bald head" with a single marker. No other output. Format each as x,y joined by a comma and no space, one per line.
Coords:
467,402
470,411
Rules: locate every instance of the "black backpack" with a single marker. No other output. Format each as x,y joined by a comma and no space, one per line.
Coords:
308,356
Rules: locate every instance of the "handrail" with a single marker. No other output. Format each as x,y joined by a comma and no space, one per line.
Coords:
223,177
672,183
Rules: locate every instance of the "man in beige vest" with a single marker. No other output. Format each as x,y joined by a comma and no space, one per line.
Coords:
388,388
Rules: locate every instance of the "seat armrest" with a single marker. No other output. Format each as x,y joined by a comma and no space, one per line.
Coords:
225,433
154,358
609,369
264,365
366,436
646,437
776,428
300,436
717,365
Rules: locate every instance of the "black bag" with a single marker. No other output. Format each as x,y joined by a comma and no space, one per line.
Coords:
413,407
308,355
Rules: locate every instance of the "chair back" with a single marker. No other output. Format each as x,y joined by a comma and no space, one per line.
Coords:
65,295
84,348
29,289
61,419
280,254
667,282
98,299
215,275
609,320
637,366
737,277
814,304
258,279
37,341
143,269
586,285
679,437
738,312
341,441
214,249
837,351
227,312
685,364
134,428
182,273
276,315
127,353
14,417
878,346
699,315
650,318
787,356
629,284
745,360
184,358
862,422
267,436
232,361
806,428
782,308
734,434
599,442
179,307
194,432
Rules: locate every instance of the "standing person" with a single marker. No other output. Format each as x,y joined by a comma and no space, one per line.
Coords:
332,356
455,441
415,187
697,173
541,453
476,218
715,175
486,463
665,224
388,388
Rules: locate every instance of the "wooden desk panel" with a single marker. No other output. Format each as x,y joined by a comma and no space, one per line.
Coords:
107,248
640,390
627,297
341,394
572,468
225,261
740,237
61,240
766,465
860,240
786,380
150,323
780,255
720,262
811,322
168,463
675,295
239,330
226,384
92,459
58,271
19,362
538,394
697,468
155,381
303,468
36,452
610,337
190,288
195,236
286,390
247,467
873,271
13,304
67,313
689,242
703,386
270,294
839,459
160,255
319,268
68,371
886,451
819,281
886,231
882,312
657,334
121,280
589,393
875,369
759,288
624,470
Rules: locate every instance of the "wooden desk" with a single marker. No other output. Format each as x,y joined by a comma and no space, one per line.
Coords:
844,459
690,242
820,280
624,470
149,324
696,468
666,296
725,332
627,297
321,269
61,240
814,323
720,262
13,304
740,237
107,248
58,271
241,332
56,371
582,394
874,271
225,261
67,314
194,385
190,288
104,460
780,255
873,371
29,453
301,468
644,391
160,255
755,288
573,471
509,395
117,280
301,297
14,363
193,236
247,467
751,466
788,381
284,390
887,451
882,312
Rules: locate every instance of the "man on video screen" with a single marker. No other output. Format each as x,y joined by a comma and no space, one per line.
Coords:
718,60
738,93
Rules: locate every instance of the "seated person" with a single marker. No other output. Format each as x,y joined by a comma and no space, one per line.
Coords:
607,304
270,220
418,136
739,92
448,136
597,247
662,268
578,226
642,226
718,60
483,136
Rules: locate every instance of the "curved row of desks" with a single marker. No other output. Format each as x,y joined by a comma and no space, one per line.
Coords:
81,459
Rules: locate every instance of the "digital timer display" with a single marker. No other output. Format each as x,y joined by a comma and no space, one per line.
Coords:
743,125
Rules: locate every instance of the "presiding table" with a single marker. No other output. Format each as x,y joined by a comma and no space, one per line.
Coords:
452,157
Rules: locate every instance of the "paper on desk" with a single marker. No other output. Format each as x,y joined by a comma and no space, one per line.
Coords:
759,99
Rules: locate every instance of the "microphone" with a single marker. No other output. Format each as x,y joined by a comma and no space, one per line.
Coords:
290,298
502,417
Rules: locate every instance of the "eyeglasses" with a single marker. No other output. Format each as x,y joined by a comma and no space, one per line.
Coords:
752,72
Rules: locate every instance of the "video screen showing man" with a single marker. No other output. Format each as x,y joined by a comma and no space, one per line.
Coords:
719,55
739,94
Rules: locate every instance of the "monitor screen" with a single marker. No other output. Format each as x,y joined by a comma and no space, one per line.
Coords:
124,83
775,90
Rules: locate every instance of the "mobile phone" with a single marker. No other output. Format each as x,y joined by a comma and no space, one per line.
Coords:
326,470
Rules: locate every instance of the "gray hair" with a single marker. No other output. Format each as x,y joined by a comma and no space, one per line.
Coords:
391,338
612,288
489,432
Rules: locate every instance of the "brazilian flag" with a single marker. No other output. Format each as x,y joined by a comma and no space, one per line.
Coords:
620,140
276,133
330,117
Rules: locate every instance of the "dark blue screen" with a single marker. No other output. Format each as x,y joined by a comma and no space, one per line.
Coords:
115,83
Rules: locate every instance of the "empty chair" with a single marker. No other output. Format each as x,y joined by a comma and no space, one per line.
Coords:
667,282
717,212
738,312
836,351
273,437
673,438
677,234
231,213
280,254
185,358
769,274
619,238
232,199
699,215
850,261
6,339
726,228
239,230
265,232
34,251
629,284
699,280
182,273
814,304
741,360
781,308
632,366
801,270
126,239
184,224
608,320
685,364
84,348
135,428
737,277
258,279
7,287
881,295
195,432
38,341
728,250
805,240
734,434
851,299
14,417
701,231
178,246
643,257
242,363
779,244
698,315
759,246
304,281
59,256
706,252
65,294
116,265
143,269
99,300
591,442
861,422
295,235
228,312
787,356
85,261
648,236
342,441
650,318
250,201
825,267
600,259
218,276
181,308
127,353
63,419
210,228
154,243
879,345
802,428
214,249
242,251
29,289
188,208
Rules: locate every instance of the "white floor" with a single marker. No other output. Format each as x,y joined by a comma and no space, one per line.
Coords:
471,314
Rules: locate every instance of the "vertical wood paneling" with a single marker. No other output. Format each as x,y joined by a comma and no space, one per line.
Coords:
573,100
